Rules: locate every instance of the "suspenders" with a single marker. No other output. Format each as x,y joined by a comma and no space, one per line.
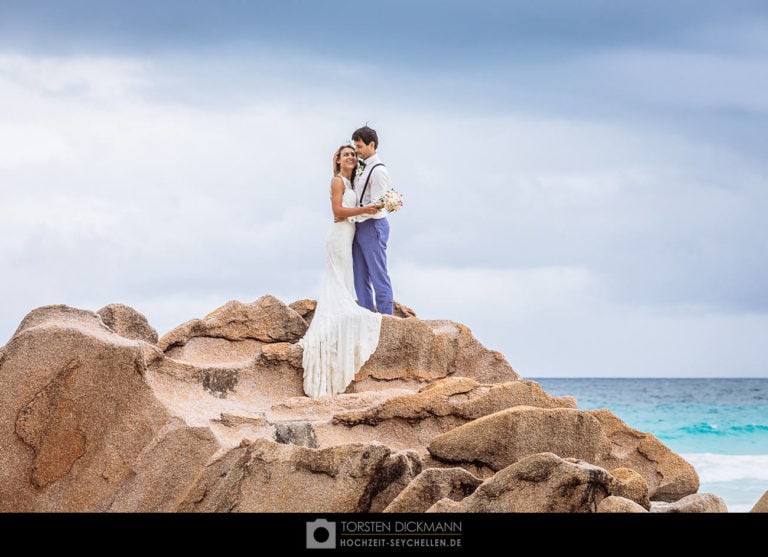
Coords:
366,181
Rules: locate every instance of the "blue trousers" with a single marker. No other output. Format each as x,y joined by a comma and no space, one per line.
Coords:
369,264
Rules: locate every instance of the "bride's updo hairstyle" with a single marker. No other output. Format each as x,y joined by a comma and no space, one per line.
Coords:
337,160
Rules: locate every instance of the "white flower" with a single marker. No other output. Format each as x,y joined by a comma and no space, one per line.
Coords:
392,200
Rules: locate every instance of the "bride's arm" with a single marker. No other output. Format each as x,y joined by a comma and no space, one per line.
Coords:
341,212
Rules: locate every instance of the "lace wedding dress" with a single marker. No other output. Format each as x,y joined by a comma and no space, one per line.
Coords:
342,335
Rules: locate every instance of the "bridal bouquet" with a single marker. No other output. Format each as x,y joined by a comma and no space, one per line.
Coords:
392,200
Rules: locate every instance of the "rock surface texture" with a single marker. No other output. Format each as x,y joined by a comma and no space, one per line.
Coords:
99,414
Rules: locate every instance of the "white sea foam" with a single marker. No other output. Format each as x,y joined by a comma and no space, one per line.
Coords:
729,468
739,479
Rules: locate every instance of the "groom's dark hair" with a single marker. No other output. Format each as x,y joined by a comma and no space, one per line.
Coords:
366,135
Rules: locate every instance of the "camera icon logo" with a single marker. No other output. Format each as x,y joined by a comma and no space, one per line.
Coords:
321,534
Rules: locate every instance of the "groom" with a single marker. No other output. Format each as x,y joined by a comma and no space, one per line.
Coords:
369,248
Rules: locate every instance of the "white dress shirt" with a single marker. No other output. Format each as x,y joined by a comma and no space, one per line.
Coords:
378,185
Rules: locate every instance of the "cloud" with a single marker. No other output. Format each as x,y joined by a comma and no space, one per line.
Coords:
674,78
557,321
571,243
521,293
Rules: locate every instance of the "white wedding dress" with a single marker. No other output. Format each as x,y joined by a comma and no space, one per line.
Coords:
342,335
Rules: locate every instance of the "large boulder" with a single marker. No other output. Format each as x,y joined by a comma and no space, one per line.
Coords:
425,350
539,483
432,485
127,322
79,423
596,436
265,476
762,504
265,320
694,503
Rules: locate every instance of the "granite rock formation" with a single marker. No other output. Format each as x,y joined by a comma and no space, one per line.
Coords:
98,413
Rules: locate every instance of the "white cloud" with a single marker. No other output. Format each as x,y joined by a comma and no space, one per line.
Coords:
486,293
22,145
691,79
570,245
97,79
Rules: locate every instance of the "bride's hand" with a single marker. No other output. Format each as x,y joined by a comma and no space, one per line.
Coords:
371,209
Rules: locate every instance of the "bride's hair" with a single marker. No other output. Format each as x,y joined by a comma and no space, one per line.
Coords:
337,159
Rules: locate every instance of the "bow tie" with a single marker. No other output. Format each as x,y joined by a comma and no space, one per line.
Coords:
362,165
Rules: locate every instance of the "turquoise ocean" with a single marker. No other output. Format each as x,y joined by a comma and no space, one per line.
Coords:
720,426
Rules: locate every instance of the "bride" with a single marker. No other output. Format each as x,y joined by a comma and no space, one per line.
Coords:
342,335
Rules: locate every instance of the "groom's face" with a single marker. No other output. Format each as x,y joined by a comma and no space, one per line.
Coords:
364,151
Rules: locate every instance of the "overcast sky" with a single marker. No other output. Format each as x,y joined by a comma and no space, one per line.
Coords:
585,182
